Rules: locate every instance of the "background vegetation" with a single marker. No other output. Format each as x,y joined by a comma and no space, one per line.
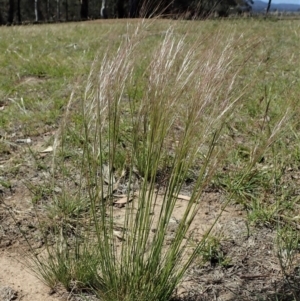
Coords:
17,11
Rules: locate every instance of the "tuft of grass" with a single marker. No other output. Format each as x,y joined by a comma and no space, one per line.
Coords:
212,251
135,128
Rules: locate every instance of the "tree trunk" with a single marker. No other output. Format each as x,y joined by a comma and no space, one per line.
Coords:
103,10
19,11
120,9
84,10
67,10
58,10
11,11
36,13
133,8
48,10
268,7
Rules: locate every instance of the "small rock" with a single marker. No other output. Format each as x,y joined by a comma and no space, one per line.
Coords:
5,244
7,293
173,224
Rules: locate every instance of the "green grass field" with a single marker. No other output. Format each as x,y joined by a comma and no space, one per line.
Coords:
144,109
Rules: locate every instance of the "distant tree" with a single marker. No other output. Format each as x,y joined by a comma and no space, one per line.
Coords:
84,9
19,11
57,10
11,11
268,7
120,9
67,10
103,10
48,10
221,7
133,8
36,12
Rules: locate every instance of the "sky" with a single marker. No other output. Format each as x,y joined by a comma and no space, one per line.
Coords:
284,1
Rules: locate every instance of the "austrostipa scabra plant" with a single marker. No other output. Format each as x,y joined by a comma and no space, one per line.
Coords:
146,122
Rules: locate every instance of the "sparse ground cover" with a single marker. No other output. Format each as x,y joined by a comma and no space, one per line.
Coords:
168,112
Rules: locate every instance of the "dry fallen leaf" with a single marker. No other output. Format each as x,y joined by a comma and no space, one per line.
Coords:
183,197
118,234
49,149
122,201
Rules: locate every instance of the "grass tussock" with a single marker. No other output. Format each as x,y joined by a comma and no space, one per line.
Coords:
164,106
